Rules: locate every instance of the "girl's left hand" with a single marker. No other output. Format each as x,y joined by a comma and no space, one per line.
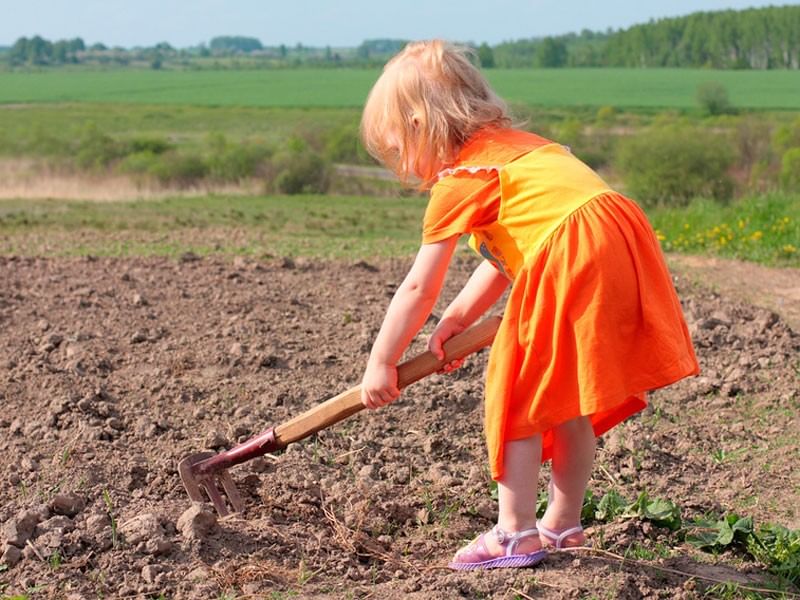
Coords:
445,329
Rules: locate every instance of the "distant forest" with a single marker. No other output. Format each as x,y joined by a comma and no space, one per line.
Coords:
762,38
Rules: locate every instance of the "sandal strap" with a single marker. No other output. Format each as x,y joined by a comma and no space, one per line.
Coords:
512,538
559,536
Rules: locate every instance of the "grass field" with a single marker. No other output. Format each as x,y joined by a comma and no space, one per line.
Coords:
764,230
47,129
622,88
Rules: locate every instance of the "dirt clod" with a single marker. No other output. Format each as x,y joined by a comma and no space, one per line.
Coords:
67,504
197,522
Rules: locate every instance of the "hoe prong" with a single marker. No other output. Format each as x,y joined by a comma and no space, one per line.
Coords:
202,486
231,491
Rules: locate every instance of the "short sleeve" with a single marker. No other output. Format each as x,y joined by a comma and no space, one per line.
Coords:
457,203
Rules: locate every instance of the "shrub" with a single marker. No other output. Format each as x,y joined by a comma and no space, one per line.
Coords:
605,115
154,145
713,98
790,169
97,150
669,166
139,163
300,170
234,162
787,136
177,168
342,145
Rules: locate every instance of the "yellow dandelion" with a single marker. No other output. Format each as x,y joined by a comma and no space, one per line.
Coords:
757,235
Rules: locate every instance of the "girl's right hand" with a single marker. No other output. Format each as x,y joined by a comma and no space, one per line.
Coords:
446,328
379,386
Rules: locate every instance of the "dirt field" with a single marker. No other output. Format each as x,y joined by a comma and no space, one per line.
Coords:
111,370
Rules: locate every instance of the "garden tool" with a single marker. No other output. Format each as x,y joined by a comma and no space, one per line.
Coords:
208,471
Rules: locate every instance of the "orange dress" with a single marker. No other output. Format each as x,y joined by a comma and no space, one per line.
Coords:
592,321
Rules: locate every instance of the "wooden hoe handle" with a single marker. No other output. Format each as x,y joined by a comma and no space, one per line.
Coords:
349,403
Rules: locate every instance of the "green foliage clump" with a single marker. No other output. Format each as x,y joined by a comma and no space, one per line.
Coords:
671,165
788,136
713,99
97,150
235,162
178,168
774,546
342,145
300,170
790,169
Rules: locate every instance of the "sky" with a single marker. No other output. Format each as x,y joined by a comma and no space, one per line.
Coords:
335,23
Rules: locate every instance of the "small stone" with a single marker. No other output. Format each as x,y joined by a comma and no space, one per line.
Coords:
138,300
138,337
197,522
18,531
11,556
423,516
216,439
368,473
236,350
115,423
158,546
287,263
150,572
142,528
67,504
188,257
57,523
198,574
29,465
73,351
97,523
50,541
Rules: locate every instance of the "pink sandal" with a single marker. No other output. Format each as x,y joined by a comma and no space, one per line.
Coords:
558,537
476,555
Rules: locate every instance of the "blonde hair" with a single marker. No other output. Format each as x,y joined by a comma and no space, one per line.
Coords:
428,101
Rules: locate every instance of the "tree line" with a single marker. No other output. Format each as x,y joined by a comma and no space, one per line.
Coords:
761,38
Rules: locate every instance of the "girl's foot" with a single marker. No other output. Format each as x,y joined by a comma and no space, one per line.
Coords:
497,548
558,539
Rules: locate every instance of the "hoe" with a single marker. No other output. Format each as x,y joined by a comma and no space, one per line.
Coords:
208,472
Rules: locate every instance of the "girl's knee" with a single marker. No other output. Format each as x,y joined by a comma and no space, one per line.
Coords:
577,426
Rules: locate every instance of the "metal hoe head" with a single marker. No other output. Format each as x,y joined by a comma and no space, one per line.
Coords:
215,482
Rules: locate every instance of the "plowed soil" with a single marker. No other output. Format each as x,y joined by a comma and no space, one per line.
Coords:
111,370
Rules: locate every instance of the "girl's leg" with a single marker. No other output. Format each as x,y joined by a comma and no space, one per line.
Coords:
573,456
517,494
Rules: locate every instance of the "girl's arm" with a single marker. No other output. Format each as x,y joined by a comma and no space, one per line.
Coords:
408,310
483,289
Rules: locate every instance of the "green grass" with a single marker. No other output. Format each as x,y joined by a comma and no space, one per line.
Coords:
309,226
50,129
762,229
337,88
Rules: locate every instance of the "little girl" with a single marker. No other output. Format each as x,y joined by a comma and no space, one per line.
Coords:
592,320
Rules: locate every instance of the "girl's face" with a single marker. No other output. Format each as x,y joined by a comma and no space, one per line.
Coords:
417,161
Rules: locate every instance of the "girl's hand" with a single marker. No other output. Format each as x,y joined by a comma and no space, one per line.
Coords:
446,329
379,386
